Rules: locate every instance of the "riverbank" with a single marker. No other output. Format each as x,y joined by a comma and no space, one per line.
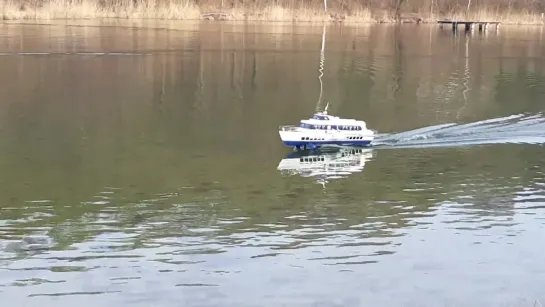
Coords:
188,10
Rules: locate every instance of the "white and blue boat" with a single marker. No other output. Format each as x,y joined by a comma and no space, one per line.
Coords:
326,130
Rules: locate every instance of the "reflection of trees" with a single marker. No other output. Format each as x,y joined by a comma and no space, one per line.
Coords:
521,85
392,194
172,123
355,76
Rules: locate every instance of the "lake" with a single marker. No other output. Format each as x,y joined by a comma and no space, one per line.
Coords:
140,165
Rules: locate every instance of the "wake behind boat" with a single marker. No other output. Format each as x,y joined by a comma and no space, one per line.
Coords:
326,130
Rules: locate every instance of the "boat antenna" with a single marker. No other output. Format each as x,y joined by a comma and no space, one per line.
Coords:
321,69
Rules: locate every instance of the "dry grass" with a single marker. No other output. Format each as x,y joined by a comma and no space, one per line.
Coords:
89,9
189,10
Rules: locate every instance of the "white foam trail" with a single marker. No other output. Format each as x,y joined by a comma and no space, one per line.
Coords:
514,129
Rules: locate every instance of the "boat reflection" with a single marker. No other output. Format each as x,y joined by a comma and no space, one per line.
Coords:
325,165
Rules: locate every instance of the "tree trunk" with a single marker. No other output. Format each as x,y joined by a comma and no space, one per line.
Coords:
398,10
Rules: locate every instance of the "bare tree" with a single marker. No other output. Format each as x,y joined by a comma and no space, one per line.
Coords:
398,10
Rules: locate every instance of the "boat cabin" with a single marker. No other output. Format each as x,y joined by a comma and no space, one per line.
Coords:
330,127
324,121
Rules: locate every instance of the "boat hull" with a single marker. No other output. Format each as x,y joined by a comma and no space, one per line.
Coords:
313,139
363,143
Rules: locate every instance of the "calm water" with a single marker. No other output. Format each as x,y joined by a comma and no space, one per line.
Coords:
140,165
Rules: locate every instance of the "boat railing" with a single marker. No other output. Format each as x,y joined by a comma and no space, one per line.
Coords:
288,128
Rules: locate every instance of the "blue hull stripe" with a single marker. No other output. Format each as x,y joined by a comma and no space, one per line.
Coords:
322,143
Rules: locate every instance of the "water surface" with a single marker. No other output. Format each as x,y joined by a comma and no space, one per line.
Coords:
140,164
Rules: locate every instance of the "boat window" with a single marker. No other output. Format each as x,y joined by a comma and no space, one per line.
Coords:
307,126
319,117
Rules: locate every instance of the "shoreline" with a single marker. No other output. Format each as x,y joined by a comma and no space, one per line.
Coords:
126,9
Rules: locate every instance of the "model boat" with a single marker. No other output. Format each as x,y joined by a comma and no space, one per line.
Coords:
323,129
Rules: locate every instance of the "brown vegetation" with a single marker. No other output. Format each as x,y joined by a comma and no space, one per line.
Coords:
506,11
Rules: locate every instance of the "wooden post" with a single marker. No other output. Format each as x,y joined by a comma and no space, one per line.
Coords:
469,26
